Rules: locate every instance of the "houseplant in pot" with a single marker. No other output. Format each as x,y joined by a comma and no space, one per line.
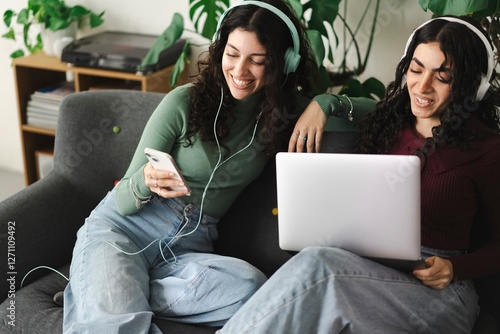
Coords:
50,16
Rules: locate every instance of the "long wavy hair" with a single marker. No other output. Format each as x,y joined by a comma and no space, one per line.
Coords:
467,55
279,92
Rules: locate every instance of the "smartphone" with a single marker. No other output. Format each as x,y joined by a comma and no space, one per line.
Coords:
164,161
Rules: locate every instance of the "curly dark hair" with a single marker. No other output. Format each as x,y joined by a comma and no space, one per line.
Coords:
466,53
279,92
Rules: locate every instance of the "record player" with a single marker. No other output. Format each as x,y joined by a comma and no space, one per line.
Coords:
120,51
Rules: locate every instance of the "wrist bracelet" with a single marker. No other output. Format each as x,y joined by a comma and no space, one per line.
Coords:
338,112
138,200
350,116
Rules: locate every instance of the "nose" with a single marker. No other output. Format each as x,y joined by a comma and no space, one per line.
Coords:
425,83
239,67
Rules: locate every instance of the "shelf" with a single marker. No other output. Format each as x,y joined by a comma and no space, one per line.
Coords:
35,129
38,71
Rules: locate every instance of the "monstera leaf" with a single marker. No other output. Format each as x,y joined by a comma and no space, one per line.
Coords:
205,13
462,7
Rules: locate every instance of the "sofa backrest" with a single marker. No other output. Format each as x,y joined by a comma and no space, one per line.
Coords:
97,135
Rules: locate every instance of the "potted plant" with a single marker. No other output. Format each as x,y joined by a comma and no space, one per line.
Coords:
50,15
315,14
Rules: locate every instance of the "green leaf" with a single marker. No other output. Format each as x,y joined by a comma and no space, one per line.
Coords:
96,20
16,54
79,11
10,34
322,11
317,45
372,88
165,40
210,11
7,17
352,88
296,7
180,64
57,23
23,16
453,7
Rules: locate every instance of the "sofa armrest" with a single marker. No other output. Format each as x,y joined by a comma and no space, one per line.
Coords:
38,227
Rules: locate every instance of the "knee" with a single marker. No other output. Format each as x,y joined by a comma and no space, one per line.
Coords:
325,258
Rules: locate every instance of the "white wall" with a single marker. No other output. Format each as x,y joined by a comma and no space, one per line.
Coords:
397,20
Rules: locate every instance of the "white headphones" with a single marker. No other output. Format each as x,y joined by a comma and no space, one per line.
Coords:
292,55
485,79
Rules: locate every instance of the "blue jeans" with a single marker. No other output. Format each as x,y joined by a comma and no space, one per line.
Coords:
115,287
328,290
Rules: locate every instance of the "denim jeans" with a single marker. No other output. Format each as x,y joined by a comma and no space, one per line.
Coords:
118,283
328,290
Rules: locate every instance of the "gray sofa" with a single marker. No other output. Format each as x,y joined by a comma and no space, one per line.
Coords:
97,135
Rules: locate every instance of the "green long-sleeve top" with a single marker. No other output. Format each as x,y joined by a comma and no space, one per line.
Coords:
166,131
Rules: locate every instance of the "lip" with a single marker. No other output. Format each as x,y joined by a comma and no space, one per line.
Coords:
422,101
241,84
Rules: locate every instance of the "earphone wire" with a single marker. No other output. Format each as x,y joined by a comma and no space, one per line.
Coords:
219,163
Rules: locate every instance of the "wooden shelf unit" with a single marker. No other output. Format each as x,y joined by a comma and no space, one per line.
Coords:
39,71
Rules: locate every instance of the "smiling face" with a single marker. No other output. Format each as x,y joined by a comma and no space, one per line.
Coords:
428,80
243,64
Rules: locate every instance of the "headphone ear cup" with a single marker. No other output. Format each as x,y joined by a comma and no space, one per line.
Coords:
292,61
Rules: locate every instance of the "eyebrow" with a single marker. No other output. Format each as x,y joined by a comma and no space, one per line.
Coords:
253,54
441,68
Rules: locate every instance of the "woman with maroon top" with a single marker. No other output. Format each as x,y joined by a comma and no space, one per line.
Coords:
441,107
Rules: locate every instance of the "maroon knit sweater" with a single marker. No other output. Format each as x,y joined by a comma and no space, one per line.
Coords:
457,188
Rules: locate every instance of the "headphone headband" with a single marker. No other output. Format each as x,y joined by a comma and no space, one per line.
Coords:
292,55
485,79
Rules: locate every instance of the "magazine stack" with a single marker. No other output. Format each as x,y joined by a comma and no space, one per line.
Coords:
43,106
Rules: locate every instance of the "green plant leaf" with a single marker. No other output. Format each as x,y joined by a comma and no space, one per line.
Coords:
96,19
16,54
180,64
23,16
372,88
10,34
453,7
165,40
210,11
296,7
321,11
79,11
317,45
7,17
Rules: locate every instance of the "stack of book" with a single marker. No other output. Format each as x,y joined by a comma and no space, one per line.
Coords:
43,106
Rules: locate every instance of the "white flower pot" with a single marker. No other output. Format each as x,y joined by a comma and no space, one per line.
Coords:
55,41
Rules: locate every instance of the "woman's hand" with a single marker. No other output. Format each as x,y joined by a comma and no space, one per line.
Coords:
308,130
162,182
438,275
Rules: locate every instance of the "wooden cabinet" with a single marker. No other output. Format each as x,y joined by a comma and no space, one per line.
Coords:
39,71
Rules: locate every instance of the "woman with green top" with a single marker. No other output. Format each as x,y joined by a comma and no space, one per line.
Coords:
146,249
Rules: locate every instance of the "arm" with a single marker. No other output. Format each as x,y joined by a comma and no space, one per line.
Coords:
347,114
163,129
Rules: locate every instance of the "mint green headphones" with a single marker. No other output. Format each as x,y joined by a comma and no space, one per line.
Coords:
292,56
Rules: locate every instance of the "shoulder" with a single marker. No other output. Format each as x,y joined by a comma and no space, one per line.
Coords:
180,94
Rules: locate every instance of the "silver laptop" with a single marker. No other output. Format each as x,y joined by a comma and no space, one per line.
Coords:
367,204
